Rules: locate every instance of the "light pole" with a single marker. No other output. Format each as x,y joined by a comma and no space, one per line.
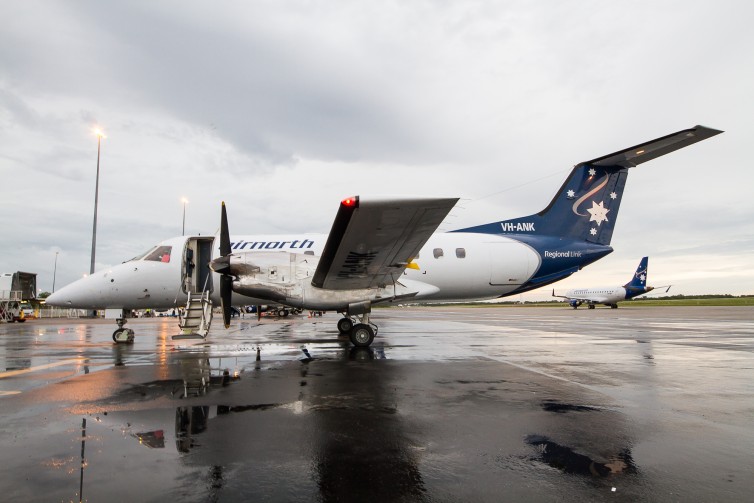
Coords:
183,229
100,135
54,272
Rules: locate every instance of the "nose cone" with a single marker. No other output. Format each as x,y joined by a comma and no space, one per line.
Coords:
55,299
78,294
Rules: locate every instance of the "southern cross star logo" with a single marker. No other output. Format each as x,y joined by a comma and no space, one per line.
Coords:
592,171
570,194
593,231
598,212
613,195
643,277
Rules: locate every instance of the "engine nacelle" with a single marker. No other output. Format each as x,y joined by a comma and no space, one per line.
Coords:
275,276
286,278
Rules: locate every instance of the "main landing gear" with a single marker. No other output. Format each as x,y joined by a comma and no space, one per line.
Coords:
121,334
361,334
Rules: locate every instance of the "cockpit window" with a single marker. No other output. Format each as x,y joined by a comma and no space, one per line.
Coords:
143,254
159,254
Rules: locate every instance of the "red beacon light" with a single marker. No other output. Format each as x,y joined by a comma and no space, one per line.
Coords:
351,202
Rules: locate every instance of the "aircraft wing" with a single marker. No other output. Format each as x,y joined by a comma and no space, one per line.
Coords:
559,296
372,241
581,299
644,152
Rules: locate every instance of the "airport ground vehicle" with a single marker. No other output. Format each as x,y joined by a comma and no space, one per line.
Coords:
16,290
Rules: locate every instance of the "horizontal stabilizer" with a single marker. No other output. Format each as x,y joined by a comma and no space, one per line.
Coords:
644,152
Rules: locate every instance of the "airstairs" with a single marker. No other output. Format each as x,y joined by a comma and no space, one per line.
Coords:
196,376
197,317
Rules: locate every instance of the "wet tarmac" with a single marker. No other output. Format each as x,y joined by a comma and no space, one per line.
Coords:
470,404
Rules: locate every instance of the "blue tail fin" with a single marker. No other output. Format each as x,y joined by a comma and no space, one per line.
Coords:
586,206
640,276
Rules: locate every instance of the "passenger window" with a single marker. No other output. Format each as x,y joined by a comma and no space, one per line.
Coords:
438,252
461,252
160,254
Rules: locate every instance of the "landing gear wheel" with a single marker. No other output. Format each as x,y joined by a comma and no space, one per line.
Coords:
123,335
591,306
345,325
362,335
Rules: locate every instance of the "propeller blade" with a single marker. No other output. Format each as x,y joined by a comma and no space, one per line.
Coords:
226,293
224,234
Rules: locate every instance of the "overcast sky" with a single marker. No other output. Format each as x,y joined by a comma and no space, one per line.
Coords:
282,108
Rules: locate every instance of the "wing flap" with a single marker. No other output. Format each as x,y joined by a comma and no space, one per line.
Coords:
372,241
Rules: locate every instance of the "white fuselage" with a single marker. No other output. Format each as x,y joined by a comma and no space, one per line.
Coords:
607,295
451,267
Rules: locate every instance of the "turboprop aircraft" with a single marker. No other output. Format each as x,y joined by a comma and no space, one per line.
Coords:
610,296
380,251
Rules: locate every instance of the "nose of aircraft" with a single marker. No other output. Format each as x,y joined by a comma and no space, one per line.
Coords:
59,298
56,299
73,295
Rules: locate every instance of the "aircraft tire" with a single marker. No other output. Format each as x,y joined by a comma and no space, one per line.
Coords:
345,325
118,334
591,306
361,335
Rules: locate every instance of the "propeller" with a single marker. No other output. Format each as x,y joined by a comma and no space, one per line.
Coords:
226,293
221,265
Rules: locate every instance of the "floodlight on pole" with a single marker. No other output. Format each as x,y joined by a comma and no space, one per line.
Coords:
183,229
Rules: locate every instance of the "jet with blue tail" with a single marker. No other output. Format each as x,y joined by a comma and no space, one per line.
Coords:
379,252
610,296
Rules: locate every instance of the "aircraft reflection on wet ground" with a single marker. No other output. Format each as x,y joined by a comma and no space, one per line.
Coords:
484,406
358,442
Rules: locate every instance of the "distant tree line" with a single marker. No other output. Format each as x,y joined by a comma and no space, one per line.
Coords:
695,297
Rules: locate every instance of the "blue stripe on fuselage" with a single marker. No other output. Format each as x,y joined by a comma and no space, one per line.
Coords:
559,257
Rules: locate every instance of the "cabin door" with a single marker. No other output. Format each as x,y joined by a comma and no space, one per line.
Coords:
197,254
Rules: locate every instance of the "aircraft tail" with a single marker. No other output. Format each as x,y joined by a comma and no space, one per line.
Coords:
586,206
639,280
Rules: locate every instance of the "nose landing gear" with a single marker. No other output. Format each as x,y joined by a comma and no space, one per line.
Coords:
121,334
